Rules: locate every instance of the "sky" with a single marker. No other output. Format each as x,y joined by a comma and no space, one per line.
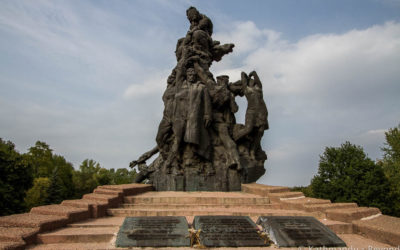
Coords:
87,77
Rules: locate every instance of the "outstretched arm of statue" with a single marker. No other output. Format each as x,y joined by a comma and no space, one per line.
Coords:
218,51
257,80
144,157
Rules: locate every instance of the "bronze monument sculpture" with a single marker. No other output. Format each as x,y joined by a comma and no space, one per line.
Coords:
200,145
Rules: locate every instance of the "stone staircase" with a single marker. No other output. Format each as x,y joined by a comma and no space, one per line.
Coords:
93,221
198,203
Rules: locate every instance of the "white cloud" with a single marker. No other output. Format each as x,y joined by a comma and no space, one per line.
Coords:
322,90
88,80
156,84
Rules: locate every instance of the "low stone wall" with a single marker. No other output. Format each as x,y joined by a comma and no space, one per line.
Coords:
367,221
19,230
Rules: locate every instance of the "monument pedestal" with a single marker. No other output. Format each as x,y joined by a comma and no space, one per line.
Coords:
192,180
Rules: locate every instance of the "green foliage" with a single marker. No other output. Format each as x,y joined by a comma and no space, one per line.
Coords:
391,165
392,149
346,174
307,191
56,168
123,176
40,156
85,180
37,195
55,190
65,171
15,179
91,175
54,179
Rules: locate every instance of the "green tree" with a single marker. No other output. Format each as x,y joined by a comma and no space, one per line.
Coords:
346,174
121,176
391,165
55,190
37,195
87,178
15,179
46,164
307,191
65,172
41,158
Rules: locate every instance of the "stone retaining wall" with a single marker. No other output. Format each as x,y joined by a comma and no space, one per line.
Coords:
19,230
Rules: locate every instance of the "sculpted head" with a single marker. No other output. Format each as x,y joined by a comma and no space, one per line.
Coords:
193,14
223,80
191,75
171,78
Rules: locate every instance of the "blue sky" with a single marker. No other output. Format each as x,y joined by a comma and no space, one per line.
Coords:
87,77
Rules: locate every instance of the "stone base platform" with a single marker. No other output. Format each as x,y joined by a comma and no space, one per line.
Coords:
87,231
58,227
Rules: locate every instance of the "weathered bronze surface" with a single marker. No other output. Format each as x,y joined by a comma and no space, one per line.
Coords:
299,231
157,231
227,231
200,145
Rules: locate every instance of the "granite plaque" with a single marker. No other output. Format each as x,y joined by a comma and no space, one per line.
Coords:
296,231
154,231
227,231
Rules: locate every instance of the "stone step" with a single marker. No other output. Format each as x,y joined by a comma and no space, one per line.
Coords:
324,207
111,200
43,222
301,202
96,208
12,245
338,227
196,198
185,212
111,192
108,221
129,189
351,214
72,213
263,190
18,234
278,197
194,206
353,241
382,228
78,235
69,246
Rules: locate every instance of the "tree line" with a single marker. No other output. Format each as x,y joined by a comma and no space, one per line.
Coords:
347,174
40,177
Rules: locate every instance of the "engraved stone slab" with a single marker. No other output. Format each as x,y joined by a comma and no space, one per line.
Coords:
227,231
296,231
154,231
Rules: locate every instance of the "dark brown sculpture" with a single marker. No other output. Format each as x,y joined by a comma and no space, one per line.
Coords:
200,145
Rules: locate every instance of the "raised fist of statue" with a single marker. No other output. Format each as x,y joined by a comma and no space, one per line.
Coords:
229,47
253,73
133,164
